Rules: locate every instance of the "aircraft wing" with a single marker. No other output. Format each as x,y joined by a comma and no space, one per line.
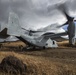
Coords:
55,35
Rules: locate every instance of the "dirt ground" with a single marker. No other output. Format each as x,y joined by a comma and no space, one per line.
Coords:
58,61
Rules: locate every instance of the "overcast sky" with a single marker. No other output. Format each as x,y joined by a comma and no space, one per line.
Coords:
35,14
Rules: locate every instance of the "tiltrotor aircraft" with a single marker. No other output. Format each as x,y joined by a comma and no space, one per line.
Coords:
33,39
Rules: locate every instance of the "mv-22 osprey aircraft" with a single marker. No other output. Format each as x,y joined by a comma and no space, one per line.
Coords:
42,39
31,38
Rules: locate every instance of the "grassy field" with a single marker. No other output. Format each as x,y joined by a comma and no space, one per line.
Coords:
60,61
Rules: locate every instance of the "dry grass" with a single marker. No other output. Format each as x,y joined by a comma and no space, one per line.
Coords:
39,64
42,65
63,44
15,44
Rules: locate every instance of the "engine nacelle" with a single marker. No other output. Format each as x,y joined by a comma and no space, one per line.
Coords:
71,33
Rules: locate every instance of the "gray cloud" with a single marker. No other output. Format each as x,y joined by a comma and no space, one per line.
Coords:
36,13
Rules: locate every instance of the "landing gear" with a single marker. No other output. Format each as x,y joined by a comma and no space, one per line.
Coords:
73,41
28,47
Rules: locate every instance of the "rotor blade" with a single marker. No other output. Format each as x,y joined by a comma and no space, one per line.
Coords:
35,31
31,31
62,25
25,29
64,10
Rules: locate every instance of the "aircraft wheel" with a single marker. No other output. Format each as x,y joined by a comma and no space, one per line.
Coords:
44,47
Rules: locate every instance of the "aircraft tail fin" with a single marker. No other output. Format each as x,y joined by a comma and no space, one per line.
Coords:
14,27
